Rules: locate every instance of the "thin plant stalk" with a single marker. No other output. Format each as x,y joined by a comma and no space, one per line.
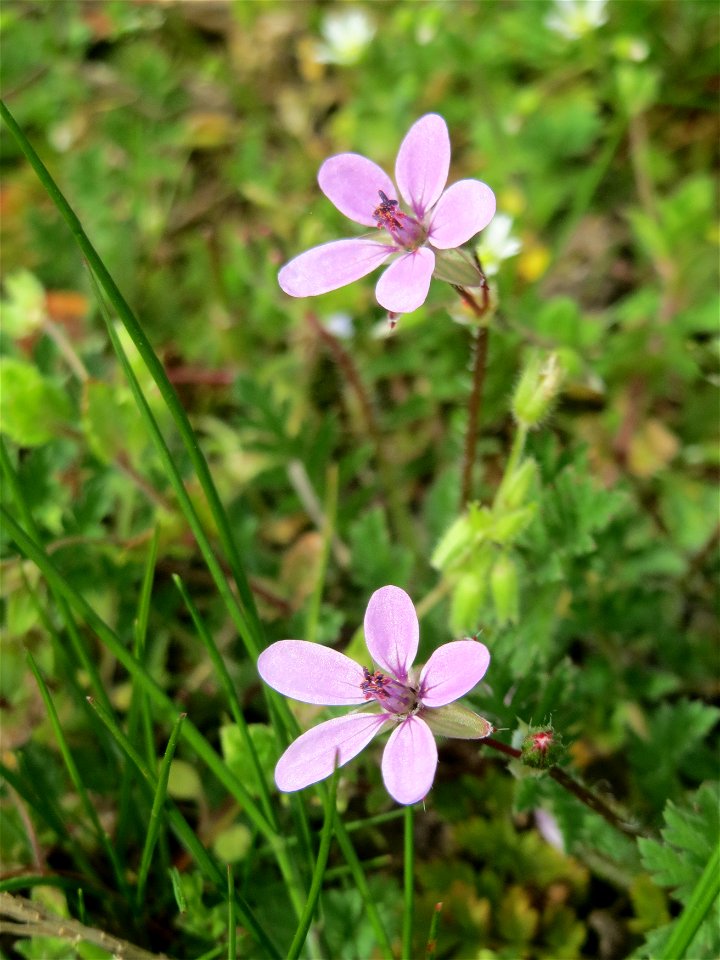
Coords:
156,812
431,948
480,349
231,921
319,872
408,883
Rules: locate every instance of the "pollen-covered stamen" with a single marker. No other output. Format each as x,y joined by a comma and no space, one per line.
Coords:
405,230
393,696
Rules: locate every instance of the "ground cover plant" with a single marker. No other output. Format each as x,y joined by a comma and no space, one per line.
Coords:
358,615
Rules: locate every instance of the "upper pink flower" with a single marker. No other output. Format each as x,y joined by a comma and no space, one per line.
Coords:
411,701
435,220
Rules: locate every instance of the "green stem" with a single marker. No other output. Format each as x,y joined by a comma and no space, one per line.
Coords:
513,462
319,871
408,903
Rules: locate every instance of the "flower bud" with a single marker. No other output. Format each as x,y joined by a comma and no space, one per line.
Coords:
537,389
542,748
504,587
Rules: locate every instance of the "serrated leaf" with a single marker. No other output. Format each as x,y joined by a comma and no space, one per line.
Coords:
375,559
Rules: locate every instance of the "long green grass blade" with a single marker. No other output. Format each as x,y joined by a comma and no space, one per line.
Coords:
696,909
154,367
156,811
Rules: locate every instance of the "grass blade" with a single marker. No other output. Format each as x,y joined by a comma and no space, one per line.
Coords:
155,813
696,909
74,774
183,831
155,368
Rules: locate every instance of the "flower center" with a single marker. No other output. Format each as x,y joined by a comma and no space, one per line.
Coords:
393,696
406,231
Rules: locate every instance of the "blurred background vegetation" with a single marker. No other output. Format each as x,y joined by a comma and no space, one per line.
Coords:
187,137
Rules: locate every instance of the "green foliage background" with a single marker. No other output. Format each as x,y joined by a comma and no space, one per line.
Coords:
187,138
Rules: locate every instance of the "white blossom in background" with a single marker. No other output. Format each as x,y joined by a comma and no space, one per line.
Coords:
340,325
346,34
497,244
573,19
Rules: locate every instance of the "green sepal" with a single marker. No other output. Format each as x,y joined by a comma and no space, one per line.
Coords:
458,722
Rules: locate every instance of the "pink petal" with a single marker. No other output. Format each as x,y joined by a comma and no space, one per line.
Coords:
311,673
352,182
312,756
404,285
423,161
453,670
463,210
392,631
409,761
331,265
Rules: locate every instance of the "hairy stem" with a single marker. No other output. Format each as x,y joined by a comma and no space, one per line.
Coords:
480,349
391,484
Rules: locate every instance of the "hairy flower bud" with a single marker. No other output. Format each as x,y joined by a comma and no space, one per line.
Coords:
537,389
542,748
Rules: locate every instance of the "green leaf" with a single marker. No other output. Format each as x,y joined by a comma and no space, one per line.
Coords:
23,307
33,409
238,757
375,559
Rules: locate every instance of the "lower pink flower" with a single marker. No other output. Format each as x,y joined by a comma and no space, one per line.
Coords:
413,702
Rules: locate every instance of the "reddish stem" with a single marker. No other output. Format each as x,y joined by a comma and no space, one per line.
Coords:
576,789
480,343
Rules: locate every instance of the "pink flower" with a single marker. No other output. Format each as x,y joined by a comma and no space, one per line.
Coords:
410,701
436,220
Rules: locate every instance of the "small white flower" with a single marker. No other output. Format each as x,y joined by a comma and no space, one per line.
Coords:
573,19
346,35
340,325
497,244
